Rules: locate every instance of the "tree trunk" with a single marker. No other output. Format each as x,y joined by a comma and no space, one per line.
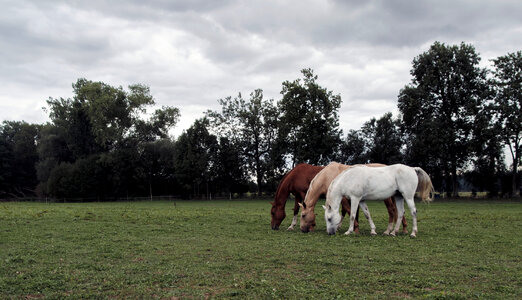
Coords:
258,179
514,155
448,182
454,180
515,190
150,190
455,185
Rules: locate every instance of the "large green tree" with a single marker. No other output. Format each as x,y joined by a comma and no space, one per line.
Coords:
508,105
439,108
100,117
18,157
354,148
228,171
384,141
309,123
486,146
193,158
102,131
156,163
251,126
378,141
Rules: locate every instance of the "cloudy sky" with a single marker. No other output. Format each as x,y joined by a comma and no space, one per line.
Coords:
193,52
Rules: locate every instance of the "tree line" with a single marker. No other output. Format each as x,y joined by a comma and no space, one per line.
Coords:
456,118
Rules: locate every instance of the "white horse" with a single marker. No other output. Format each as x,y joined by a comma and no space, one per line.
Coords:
362,183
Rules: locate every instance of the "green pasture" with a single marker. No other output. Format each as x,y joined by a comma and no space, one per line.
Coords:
226,249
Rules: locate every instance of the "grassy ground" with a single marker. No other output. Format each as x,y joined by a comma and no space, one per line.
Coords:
224,249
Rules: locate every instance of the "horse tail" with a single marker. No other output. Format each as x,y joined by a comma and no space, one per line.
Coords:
424,187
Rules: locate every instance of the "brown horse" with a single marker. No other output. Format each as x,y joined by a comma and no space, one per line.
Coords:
296,182
319,186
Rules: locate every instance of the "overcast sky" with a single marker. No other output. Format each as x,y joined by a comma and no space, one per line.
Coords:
192,53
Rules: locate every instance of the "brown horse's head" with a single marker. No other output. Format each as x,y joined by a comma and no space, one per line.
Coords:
307,219
278,214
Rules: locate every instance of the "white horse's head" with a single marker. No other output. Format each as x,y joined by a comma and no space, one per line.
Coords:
332,217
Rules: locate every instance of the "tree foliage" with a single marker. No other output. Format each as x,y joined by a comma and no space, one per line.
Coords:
439,108
94,145
354,149
251,126
106,143
384,140
378,141
309,123
508,106
18,157
193,158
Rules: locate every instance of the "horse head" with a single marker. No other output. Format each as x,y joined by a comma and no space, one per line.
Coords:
307,218
278,214
332,217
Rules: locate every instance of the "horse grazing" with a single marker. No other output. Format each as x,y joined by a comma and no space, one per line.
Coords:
362,183
319,186
296,182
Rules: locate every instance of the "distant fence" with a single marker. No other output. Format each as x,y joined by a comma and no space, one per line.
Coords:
209,197
230,196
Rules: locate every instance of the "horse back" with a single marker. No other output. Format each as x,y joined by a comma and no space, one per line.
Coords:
298,179
405,177
377,183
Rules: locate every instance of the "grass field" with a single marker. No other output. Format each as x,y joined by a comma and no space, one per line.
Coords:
225,249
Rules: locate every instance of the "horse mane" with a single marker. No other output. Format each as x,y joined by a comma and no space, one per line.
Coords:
281,185
312,186
310,189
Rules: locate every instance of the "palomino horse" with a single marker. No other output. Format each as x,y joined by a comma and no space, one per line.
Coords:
296,182
361,183
319,186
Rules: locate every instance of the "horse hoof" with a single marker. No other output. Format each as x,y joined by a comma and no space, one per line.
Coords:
413,235
290,228
386,233
373,233
393,234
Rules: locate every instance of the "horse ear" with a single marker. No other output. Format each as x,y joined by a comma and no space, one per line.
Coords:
324,207
301,205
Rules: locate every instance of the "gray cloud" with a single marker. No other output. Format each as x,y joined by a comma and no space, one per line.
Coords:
192,53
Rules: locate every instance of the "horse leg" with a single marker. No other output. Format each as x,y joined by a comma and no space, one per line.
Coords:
413,210
354,202
400,213
392,214
298,199
404,224
345,208
356,222
366,212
